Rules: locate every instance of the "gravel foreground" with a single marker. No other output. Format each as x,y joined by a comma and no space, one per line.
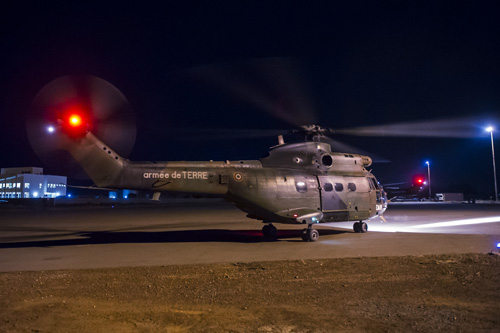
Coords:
394,294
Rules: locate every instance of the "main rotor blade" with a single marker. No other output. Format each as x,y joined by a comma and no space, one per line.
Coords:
223,134
274,85
467,127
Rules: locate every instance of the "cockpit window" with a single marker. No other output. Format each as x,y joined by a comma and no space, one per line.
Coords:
374,184
351,187
328,187
339,187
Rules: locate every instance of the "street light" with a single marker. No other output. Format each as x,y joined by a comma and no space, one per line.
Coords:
491,129
429,177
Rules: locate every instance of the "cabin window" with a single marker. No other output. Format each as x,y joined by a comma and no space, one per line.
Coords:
328,187
351,187
339,187
301,186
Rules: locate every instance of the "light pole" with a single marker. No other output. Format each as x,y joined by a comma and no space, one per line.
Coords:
491,129
429,177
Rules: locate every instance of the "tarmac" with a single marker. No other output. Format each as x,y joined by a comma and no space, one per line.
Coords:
213,231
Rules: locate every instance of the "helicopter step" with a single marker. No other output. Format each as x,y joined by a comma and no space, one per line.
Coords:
360,227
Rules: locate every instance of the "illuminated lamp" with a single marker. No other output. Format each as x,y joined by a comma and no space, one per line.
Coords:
50,129
75,120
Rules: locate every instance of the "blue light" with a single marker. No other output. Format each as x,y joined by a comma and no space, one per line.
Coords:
498,245
50,129
69,195
427,162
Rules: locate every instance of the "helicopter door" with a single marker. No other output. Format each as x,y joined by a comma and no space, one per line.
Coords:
358,197
333,207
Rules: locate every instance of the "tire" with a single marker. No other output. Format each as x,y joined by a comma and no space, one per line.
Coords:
269,231
313,235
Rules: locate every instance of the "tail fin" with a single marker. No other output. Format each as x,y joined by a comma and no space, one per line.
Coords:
103,165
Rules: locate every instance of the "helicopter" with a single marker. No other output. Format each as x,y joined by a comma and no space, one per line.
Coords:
303,183
297,183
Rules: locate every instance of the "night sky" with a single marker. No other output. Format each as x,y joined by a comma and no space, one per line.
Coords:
266,65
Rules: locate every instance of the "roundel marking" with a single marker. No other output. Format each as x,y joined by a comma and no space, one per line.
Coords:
238,176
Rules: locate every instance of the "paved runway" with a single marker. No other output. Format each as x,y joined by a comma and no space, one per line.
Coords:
208,232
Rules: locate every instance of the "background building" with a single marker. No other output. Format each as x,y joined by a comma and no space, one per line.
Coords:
30,182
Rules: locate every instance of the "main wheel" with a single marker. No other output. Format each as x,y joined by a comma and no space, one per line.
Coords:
363,227
270,231
356,227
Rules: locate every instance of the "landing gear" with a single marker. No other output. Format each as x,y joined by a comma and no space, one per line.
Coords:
360,226
269,231
310,234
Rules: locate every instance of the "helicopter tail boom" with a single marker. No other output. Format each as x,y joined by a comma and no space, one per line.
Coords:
103,165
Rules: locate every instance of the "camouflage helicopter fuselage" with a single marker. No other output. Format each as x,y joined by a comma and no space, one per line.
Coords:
296,183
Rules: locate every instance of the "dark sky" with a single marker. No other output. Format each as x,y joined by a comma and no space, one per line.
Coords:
268,65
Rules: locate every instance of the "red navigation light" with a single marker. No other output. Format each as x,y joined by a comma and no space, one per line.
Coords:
75,120
418,180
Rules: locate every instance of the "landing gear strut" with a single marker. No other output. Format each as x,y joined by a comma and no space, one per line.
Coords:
310,234
360,226
269,231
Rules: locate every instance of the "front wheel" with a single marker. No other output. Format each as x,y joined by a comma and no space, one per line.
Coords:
310,235
360,227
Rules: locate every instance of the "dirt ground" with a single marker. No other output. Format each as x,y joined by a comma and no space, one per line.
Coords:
426,293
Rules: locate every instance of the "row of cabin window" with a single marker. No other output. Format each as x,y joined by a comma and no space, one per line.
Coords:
328,187
339,187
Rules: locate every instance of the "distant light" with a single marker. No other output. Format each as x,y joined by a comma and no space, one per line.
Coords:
427,162
69,195
51,129
58,194
489,129
498,245
35,194
295,215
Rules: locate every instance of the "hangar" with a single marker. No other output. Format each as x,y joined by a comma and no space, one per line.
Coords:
30,182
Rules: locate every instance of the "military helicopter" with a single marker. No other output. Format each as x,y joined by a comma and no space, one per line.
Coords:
298,183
